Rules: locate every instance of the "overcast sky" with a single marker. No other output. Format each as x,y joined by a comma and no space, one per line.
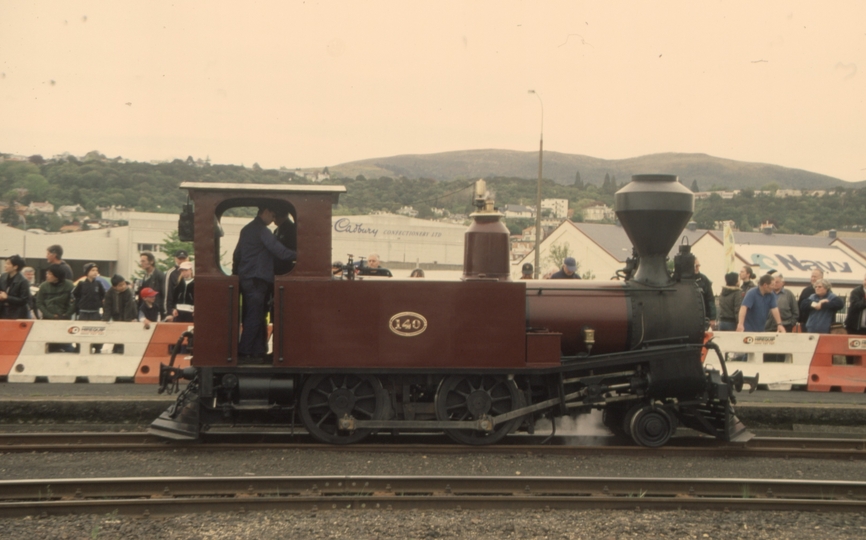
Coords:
310,84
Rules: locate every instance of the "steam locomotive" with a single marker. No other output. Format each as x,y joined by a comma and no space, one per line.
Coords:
476,359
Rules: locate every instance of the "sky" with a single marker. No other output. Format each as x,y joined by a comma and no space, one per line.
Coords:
315,84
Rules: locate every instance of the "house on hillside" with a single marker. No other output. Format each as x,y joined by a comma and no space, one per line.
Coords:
518,211
41,207
599,212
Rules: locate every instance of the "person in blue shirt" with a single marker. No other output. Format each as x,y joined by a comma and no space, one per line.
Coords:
757,305
824,305
253,262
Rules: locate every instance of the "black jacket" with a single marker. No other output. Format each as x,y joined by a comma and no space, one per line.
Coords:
88,295
18,300
804,294
119,306
856,304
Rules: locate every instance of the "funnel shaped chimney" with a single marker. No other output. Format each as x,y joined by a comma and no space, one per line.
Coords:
654,209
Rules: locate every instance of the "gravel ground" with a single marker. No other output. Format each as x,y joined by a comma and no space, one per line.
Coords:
450,524
415,524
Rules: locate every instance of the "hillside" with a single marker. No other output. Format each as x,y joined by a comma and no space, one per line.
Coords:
709,171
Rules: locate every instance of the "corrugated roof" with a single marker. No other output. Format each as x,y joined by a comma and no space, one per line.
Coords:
789,240
614,240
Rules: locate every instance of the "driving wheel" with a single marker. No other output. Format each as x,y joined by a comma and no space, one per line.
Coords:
469,397
327,398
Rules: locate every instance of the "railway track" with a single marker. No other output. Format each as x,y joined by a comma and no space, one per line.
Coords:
773,447
186,495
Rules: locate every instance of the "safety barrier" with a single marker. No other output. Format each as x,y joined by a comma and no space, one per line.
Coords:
159,350
91,351
12,337
783,360
839,364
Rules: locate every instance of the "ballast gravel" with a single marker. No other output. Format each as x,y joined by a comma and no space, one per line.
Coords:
398,524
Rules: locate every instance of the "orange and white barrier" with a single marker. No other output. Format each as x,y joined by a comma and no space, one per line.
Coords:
839,364
91,351
12,337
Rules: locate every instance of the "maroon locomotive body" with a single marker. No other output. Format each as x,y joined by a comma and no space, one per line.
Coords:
477,359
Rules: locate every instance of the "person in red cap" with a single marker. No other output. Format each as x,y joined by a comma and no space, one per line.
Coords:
150,311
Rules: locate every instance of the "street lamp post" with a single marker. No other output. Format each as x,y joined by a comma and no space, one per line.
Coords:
538,190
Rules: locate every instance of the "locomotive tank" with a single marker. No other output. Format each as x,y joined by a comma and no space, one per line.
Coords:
653,307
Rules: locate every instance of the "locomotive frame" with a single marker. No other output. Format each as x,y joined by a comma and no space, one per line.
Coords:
477,359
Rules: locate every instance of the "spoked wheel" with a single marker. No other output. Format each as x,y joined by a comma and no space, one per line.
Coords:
651,426
613,417
327,398
468,397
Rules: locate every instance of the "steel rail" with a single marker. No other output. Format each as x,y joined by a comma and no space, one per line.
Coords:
181,495
769,447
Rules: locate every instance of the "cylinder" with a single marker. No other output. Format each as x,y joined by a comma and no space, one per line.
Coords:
487,248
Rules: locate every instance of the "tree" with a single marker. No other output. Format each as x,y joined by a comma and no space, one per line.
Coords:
557,253
9,215
170,245
36,159
695,187
578,182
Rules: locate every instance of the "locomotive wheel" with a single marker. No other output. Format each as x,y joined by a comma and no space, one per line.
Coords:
327,398
651,426
468,397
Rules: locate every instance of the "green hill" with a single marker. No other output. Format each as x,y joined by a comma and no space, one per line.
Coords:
709,171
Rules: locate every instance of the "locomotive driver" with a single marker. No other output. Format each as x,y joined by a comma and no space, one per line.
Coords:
253,262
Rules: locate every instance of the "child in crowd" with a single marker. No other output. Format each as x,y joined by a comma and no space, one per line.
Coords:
150,311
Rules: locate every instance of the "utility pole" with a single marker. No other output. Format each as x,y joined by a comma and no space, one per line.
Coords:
538,190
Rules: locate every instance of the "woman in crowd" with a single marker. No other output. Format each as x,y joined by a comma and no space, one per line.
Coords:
417,273
824,305
14,290
184,295
729,303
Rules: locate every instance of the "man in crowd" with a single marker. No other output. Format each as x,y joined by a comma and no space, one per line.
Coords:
706,287
856,305
54,298
817,274
119,304
172,277
568,270
787,304
14,290
759,303
373,267
89,294
54,255
253,262
153,277
526,271
746,277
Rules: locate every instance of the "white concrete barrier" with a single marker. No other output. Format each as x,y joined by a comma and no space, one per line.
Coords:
64,351
782,360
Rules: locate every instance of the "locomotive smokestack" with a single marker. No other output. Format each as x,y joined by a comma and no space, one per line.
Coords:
487,245
654,209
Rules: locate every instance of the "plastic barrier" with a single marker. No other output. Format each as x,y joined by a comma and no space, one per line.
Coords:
839,364
12,337
158,352
782,360
70,351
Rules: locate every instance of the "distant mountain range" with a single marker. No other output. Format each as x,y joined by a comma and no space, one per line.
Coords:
709,171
